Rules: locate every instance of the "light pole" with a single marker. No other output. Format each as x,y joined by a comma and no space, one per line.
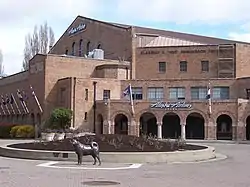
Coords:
94,104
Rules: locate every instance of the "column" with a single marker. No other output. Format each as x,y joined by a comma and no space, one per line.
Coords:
234,132
112,127
241,131
133,128
159,130
183,131
211,130
106,127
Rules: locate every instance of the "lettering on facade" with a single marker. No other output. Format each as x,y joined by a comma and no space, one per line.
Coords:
171,106
80,27
195,51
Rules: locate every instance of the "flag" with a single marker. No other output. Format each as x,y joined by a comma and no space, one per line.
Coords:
1,105
12,99
19,95
5,103
21,98
25,96
7,99
3,100
128,93
208,97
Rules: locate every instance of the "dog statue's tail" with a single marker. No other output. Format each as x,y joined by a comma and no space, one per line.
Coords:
95,145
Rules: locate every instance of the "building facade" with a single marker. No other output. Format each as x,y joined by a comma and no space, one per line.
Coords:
169,74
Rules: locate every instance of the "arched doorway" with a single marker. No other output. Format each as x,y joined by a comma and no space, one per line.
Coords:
99,124
195,126
148,124
224,127
121,124
171,127
248,128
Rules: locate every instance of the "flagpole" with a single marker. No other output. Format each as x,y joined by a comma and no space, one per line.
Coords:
14,100
25,104
210,99
36,99
131,99
109,121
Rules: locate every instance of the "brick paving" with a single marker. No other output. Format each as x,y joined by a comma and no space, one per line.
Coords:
234,171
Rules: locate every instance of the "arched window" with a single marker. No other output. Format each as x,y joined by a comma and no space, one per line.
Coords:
73,49
80,48
99,46
88,47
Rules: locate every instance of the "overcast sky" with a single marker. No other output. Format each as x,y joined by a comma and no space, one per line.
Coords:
219,18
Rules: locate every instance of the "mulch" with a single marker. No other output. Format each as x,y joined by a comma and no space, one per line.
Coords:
113,143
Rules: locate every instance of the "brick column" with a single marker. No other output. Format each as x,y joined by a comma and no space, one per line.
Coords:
105,127
133,128
159,130
211,131
112,127
234,131
241,131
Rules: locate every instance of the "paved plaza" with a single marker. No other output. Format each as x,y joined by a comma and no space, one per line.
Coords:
230,172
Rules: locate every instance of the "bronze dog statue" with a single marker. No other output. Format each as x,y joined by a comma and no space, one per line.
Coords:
84,150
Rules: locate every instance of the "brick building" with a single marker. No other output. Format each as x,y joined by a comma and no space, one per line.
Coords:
169,73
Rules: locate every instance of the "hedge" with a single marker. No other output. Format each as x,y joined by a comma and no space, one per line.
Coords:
17,131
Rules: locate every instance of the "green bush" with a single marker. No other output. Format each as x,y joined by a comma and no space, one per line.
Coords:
13,131
25,131
5,131
60,118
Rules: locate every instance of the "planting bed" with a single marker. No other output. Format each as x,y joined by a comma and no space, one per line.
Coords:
113,143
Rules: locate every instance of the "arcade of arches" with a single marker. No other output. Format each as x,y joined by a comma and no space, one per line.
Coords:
171,126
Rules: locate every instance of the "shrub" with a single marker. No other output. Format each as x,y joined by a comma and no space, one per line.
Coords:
5,130
25,131
13,131
61,118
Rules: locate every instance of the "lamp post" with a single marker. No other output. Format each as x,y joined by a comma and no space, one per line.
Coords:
94,105
107,103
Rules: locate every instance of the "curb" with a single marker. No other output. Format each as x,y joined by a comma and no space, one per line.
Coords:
113,157
219,142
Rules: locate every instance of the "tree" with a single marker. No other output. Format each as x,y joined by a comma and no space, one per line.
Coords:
39,42
1,64
61,118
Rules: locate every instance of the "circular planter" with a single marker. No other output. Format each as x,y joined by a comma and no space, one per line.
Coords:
113,157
